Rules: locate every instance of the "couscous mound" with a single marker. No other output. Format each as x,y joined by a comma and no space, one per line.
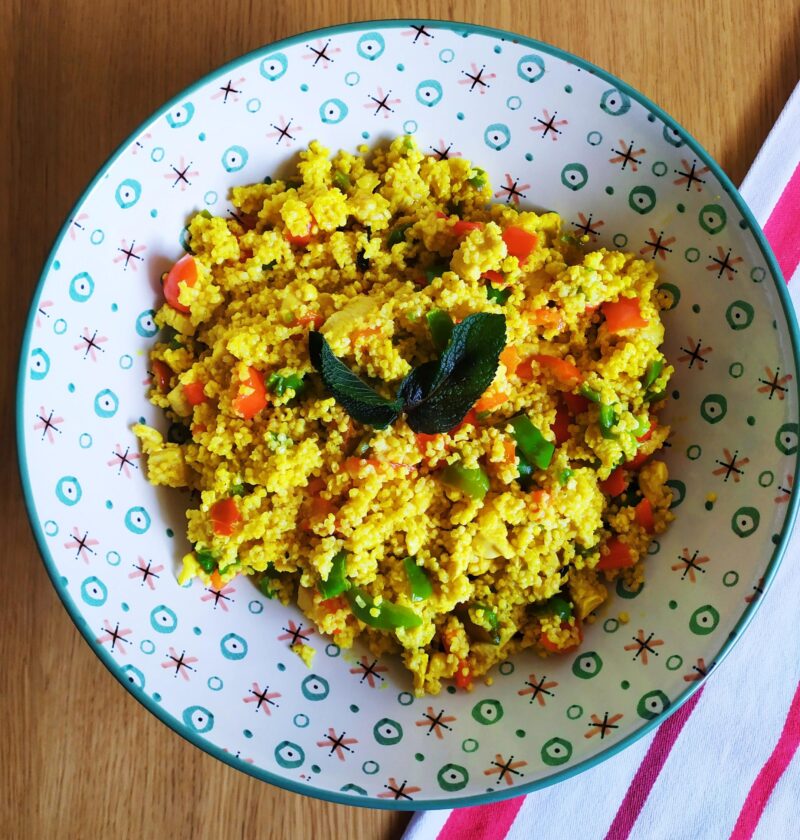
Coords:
455,547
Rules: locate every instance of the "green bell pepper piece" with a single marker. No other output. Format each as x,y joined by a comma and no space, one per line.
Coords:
531,442
434,271
472,482
589,393
652,372
387,616
418,580
556,606
499,296
336,582
341,180
398,234
440,325
206,559
564,476
478,180
608,417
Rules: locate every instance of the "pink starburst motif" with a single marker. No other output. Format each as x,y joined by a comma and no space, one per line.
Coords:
786,491
145,570
477,79
90,344
699,671
115,636
230,90
398,791
138,145
130,255
512,190
220,596
81,544
369,671
382,102
124,460
285,131
262,697
322,54
418,32
180,664
75,224
337,743
181,174
588,226
48,424
549,125
41,311
294,633
445,150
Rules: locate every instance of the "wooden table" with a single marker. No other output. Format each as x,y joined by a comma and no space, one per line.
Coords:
80,757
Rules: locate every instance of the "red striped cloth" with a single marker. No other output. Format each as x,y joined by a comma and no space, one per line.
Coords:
726,764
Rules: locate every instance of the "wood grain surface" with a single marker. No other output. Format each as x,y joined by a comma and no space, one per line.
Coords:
79,756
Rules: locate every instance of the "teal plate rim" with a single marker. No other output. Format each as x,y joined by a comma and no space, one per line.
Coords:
265,775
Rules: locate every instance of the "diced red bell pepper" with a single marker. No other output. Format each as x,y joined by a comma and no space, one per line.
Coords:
252,396
623,314
636,462
648,434
423,440
560,426
161,375
496,278
303,239
471,418
315,486
224,516
525,370
576,403
644,516
463,675
564,371
309,319
616,555
545,642
615,484
519,242
194,393
462,227
184,271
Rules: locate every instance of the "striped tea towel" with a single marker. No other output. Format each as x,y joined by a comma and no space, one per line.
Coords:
726,764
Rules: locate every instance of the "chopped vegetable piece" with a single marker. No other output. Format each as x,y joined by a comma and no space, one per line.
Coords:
576,403
216,580
519,242
615,484
637,461
398,235
498,296
440,325
608,418
224,516
423,440
265,587
559,607
652,372
510,358
279,384
383,616
461,227
589,393
418,580
644,430
302,239
565,372
565,475
545,642
560,427
531,442
644,515
524,471
237,489
194,393
434,271
478,180
525,370
463,675
615,555
491,399
336,582
496,278
309,319
547,316
183,272
161,374
206,559
653,398
623,314
341,180
480,622
472,482
252,396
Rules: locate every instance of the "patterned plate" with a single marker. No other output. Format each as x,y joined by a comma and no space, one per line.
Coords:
553,132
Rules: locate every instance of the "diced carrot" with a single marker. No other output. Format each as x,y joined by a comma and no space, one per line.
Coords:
309,319
461,227
316,486
303,239
590,310
519,242
560,426
194,393
510,448
321,507
623,314
183,272
470,419
615,484
565,372
198,428
224,516
332,605
216,580
440,215
463,675
545,642
636,461
423,440
576,403
525,370
496,278
510,358
363,333
547,316
644,516
490,400
161,375
252,396
539,497
615,555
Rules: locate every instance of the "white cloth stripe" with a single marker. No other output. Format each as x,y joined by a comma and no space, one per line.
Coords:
734,728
